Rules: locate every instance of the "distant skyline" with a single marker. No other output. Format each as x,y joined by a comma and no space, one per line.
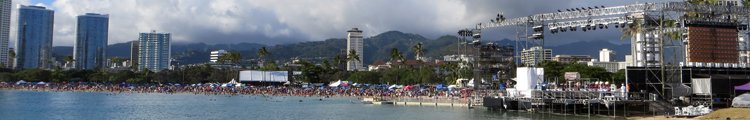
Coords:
289,21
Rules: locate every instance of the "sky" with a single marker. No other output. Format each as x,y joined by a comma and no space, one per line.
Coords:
273,22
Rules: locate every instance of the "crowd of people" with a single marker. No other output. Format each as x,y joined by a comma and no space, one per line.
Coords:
218,89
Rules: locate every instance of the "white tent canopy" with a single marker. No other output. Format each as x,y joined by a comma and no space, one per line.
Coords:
21,82
741,101
233,82
395,87
338,83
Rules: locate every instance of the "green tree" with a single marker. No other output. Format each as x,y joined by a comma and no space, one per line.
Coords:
146,75
7,77
270,66
262,53
121,76
68,60
364,77
338,61
117,59
11,55
352,56
396,55
418,51
553,70
34,75
450,72
391,76
619,76
59,75
427,76
233,57
631,30
100,75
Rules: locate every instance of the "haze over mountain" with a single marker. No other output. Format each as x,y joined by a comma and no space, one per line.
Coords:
377,47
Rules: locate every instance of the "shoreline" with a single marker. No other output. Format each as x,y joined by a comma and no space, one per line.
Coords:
182,93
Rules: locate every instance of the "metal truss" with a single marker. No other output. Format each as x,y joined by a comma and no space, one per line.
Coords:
578,13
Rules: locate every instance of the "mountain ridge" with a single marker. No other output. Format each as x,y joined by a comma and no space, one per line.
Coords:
377,47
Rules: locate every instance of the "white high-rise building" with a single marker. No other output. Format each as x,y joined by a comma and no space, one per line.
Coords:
215,55
354,42
606,55
154,51
5,9
535,55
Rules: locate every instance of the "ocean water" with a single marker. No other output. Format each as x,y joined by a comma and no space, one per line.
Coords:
36,105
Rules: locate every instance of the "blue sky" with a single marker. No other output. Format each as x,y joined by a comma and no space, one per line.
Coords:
46,2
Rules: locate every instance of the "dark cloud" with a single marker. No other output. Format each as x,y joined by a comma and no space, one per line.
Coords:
286,21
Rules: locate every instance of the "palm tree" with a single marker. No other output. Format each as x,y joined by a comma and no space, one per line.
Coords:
631,29
338,61
12,55
353,56
262,53
68,60
116,60
234,57
418,50
222,59
396,55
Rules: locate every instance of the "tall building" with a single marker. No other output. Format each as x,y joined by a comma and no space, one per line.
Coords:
571,58
629,60
154,51
5,31
91,41
215,55
606,55
34,46
535,55
354,42
134,52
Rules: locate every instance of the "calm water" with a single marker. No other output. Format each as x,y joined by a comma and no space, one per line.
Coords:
81,105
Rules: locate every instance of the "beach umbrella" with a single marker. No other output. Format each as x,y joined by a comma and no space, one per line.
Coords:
440,86
21,82
393,87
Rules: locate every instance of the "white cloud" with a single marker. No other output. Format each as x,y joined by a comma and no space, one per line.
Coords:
283,21
263,21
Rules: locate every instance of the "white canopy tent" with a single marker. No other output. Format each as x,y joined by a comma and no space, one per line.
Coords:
741,101
21,82
338,83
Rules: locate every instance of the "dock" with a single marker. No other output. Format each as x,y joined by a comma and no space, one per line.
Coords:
584,103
